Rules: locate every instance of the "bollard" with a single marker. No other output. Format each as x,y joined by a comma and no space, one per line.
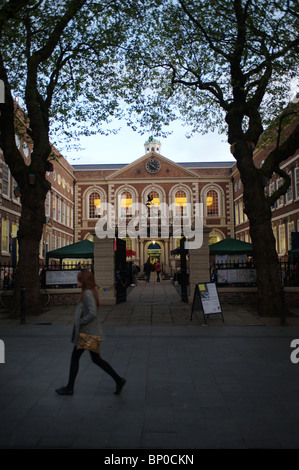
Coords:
22,305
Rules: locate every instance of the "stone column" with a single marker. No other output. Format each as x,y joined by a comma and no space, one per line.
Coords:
199,264
104,269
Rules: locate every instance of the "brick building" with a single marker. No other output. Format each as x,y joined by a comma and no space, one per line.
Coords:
58,230
285,211
158,179
79,192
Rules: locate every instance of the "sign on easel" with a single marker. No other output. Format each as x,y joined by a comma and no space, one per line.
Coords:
207,294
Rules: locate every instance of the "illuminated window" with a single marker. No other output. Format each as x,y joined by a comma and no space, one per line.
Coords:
180,203
5,236
213,238
126,204
212,203
153,203
94,205
282,239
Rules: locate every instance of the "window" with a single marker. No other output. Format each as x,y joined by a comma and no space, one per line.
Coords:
63,212
290,230
54,207
53,242
48,205
94,205
14,234
180,199
126,204
68,216
58,205
271,191
275,236
5,236
5,180
280,200
297,183
237,216
241,212
15,185
213,238
289,193
282,239
212,203
154,203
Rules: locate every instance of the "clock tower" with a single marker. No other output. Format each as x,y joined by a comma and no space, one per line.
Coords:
152,145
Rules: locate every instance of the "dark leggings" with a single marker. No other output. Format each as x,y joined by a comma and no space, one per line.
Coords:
77,353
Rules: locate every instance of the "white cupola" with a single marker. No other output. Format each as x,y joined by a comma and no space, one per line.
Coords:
152,145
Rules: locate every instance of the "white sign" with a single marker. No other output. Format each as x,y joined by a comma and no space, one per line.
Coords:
209,298
58,278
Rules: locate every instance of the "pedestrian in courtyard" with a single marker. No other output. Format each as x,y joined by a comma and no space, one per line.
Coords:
158,270
135,270
87,334
147,269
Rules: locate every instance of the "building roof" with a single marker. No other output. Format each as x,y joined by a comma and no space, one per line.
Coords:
119,166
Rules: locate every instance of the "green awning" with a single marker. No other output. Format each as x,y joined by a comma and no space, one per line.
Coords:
83,249
229,246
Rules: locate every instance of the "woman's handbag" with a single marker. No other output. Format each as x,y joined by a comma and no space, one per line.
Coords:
90,342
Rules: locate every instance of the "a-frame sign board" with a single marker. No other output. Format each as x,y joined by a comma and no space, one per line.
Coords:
207,295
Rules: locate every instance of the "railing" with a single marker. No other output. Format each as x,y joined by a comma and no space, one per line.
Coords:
8,272
244,274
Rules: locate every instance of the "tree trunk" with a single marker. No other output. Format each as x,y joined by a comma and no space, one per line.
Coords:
29,235
270,295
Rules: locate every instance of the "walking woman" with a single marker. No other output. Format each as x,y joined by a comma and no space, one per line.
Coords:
87,334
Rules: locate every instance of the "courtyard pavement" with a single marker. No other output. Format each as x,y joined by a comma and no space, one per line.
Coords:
190,385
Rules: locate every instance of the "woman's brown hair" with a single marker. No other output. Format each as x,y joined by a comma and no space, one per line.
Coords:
88,283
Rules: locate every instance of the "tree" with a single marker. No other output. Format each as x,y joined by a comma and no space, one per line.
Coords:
227,64
63,59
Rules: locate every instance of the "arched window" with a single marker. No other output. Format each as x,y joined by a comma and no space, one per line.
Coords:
212,203
126,204
180,200
153,203
94,205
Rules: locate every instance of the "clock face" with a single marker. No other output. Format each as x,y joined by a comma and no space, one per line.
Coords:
153,165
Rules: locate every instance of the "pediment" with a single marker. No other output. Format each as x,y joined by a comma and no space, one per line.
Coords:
138,169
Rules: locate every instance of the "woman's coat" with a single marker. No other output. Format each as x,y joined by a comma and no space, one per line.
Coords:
87,318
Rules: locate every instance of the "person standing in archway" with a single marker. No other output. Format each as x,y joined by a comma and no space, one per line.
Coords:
158,270
147,269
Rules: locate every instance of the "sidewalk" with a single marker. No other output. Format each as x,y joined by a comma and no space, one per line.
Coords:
189,386
157,304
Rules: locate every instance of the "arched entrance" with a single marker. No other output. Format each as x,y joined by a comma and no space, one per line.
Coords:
154,252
